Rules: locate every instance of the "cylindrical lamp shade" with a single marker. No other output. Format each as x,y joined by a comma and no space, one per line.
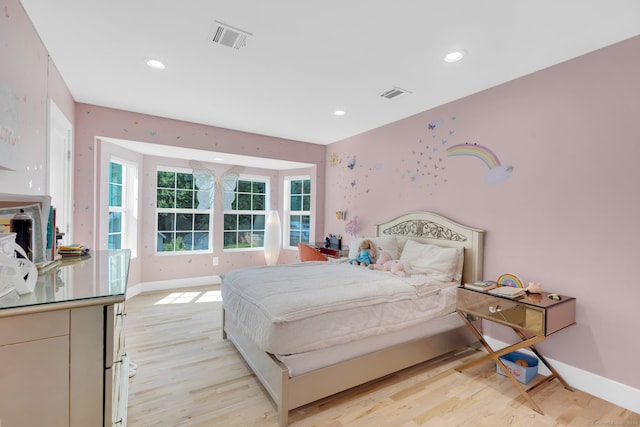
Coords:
272,238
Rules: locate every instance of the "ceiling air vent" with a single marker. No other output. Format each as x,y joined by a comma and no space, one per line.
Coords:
227,35
394,93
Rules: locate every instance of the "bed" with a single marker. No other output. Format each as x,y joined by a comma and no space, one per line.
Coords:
310,363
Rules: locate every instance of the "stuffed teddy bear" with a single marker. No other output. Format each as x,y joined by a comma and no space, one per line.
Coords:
385,263
366,254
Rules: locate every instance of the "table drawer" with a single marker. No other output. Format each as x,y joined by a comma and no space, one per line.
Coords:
509,312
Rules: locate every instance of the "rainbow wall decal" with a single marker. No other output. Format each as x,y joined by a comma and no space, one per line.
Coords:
497,171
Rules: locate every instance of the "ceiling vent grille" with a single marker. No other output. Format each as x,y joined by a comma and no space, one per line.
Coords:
227,35
394,93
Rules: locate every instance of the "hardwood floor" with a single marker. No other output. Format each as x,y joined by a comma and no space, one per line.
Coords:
187,375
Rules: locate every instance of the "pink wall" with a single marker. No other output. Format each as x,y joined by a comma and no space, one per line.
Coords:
567,216
93,122
28,78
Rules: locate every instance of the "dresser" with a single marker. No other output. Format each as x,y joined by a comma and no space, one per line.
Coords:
533,317
62,353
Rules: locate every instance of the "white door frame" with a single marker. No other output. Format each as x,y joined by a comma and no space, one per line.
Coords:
60,169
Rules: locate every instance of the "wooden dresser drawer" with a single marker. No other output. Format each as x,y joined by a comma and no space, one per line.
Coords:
35,326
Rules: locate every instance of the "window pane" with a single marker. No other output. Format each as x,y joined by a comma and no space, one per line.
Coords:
184,241
306,203
115,222
184,199
115,195
306,221
116,173
184,180
166,179
294,222
243,202
294,239
201,222
165,221
165,242
230,222
244,186
244,222
306,186
230,240
258,239
296,187
244,239
184,222
258,222
166,198
115,241
201,241
259,187
296,203
258,202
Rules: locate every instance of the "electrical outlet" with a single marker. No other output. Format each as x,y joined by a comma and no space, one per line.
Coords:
216,261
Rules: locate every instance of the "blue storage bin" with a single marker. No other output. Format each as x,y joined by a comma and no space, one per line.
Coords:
523,374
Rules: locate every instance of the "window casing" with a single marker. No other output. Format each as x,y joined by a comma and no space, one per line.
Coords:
298,210
245,213
180,226
123,203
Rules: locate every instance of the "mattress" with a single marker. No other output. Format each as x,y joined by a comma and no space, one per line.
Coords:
298,308
301,363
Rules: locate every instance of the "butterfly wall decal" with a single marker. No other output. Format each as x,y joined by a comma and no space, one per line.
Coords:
352,163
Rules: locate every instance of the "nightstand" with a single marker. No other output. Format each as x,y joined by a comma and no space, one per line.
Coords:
532,317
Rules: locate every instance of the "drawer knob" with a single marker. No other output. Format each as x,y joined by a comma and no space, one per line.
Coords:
495,308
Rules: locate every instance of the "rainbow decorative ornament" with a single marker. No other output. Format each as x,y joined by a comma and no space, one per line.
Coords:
510,280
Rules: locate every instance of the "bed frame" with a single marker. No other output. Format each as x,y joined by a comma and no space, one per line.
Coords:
292,392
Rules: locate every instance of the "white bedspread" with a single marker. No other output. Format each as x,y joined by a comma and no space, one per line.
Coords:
288,309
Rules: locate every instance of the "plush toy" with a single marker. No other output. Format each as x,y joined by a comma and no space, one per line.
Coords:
366,254
385,263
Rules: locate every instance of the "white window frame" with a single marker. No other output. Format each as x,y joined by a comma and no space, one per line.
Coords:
288,212
267,202
194,210
129,208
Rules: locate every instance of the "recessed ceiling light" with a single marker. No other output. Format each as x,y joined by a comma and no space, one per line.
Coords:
455,56
339,113
155,64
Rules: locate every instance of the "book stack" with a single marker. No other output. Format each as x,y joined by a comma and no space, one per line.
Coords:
507,291
74,250
481,285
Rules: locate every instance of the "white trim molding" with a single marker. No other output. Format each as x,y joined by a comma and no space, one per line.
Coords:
164,285
596,385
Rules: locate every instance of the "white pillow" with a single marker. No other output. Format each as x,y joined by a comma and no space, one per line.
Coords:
387,243
431,259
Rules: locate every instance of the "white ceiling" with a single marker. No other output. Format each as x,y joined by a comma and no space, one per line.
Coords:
306,59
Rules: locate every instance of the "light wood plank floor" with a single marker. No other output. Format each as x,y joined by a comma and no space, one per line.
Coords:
187,375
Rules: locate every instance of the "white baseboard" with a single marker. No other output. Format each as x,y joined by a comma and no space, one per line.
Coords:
171,284
604,388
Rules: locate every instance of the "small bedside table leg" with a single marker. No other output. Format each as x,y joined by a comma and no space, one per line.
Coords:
495,356
554,373
523,392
